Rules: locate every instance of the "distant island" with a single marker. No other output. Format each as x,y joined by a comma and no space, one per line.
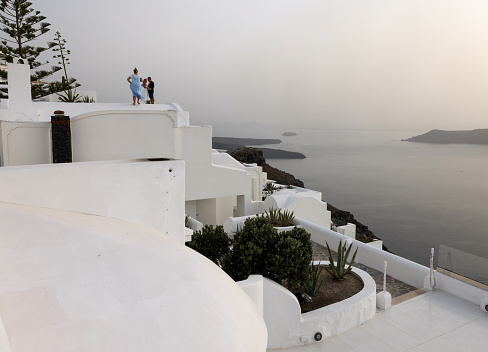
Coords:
230,144
479,136
289,134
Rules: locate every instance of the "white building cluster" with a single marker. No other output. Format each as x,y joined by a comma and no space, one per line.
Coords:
93,255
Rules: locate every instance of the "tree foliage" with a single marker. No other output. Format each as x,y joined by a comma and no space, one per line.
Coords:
211,242
21,25
61,53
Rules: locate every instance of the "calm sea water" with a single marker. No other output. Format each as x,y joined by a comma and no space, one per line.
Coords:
414,196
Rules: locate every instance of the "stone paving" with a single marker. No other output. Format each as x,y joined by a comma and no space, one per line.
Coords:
399,290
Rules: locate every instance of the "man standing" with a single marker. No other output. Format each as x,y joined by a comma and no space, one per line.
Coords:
150,89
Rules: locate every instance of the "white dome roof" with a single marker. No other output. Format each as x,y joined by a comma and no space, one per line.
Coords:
75,282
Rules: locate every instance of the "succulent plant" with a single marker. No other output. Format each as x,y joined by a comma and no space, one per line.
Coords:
338,270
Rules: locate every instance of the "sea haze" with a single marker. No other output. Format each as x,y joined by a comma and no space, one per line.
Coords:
414,196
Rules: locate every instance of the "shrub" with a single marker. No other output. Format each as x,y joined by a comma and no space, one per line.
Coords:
250,249
290,260
211,242
259,249
339,271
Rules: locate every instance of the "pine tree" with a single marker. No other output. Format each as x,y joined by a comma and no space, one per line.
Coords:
21,24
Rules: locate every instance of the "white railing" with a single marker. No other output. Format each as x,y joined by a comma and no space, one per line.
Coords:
400,268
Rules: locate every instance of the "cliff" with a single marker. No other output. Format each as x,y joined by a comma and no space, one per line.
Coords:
231,144
340,217
255,155
479,136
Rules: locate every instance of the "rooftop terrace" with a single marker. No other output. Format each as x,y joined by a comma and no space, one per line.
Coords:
434,321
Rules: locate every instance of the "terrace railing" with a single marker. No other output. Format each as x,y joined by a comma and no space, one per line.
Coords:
463,266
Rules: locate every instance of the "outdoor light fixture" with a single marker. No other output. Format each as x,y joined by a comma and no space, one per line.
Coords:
317,336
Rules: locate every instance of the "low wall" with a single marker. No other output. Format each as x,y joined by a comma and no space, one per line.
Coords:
140,191
400,268
457,288
288,328
253,286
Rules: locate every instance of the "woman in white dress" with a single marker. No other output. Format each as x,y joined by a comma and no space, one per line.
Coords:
144,89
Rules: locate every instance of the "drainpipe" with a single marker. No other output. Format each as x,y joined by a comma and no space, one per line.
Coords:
61,137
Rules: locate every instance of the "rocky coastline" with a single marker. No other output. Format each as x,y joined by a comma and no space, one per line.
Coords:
339,217
479,136
230,144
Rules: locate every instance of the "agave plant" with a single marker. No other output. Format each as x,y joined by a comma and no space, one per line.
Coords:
312,287
286,217
273,216
269,188
338,271
87,99
70,96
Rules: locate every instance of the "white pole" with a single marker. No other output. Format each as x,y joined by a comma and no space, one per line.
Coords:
384,279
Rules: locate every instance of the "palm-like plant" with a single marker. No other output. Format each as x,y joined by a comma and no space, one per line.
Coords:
338,271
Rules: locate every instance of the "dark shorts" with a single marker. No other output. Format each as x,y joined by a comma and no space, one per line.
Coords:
151,94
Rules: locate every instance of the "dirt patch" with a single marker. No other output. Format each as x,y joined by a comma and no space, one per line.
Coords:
332,291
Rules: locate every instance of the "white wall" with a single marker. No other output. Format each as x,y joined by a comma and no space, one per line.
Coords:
25,143
224,208
205,211
113,135
348,230
150,193
19,92
311,210
287,327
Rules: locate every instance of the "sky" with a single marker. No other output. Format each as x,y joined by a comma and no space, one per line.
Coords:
376,64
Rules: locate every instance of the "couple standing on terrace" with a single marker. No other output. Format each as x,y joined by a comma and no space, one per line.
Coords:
135,86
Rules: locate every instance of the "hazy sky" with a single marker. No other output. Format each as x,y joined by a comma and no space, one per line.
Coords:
409,64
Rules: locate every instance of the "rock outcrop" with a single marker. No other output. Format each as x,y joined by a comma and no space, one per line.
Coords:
479,136
343,217
255,155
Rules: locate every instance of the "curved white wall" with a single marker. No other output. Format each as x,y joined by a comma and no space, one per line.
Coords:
287,327
99,284
113,135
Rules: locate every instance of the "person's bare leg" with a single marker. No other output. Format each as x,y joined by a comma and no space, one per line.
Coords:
134,99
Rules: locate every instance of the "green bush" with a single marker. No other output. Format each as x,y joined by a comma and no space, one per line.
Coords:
212,243
291,258
259,249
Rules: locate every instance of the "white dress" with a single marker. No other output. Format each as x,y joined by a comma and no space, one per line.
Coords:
144,92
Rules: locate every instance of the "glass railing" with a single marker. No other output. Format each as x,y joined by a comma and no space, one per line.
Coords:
463,266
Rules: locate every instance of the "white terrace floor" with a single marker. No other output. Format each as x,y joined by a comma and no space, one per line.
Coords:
434,321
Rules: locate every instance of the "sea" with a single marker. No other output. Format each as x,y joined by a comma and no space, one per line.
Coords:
414,196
